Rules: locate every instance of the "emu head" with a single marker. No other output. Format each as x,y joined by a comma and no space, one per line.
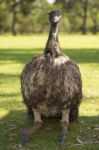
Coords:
54,16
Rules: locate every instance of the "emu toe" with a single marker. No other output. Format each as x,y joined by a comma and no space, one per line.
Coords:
63,136
25,136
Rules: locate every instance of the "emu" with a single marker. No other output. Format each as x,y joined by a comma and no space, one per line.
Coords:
51,85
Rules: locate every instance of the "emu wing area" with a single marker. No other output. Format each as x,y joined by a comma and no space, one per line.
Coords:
48,87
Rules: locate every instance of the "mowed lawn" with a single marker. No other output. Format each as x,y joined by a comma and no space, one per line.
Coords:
15,52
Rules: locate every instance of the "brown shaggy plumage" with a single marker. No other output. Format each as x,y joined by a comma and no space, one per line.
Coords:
48,87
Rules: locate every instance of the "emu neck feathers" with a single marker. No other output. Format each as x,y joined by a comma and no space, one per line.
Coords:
52,46
53,32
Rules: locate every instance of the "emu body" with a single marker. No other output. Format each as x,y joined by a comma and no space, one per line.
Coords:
51,84
49,87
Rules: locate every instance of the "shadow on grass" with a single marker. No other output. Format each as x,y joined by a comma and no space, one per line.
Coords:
9,95
24,55
8,75
11,127
18,55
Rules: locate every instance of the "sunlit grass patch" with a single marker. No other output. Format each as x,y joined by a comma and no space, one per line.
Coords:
90,107
3,112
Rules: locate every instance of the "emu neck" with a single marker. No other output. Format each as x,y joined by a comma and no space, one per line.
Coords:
53,32
52,46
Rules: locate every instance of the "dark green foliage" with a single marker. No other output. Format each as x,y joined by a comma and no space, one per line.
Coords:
29,16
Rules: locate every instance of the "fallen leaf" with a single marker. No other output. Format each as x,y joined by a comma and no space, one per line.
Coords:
79,141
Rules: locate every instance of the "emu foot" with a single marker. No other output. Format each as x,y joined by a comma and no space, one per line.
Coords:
27,132
63,133
63,136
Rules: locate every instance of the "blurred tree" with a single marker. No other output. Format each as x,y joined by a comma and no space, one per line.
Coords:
79,10
84,16
31,13
29,16
11,8
3,15
14,8
35,15
76,8
94,15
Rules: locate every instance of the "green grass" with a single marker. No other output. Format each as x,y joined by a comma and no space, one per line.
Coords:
15,52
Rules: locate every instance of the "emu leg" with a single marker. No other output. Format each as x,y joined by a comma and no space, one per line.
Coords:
64,126
27,132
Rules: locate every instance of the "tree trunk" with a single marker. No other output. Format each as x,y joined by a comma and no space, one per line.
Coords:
14,19
84,17
95,26
95,22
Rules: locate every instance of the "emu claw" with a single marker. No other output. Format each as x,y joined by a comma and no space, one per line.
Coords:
63,136
25,136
